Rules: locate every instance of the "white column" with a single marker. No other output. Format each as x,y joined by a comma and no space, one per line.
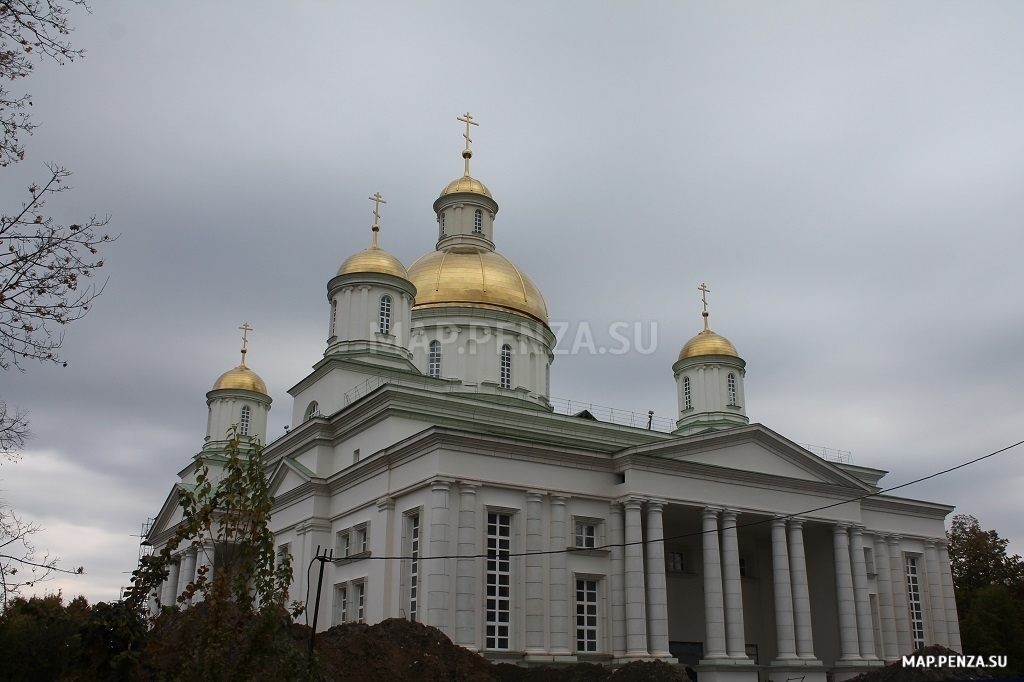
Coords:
534,576
466,606
935,598
848,642
885,610
784,629
898,567
735,639
616,538
187,573
559,580
437,575
636,612
657,594
862,602
170,593
364,329
714,611
952,622
801,596
343,326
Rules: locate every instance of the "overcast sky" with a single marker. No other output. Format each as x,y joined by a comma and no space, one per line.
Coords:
846,177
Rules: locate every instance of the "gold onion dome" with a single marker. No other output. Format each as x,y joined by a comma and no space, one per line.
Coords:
708,343
242,378
478,279
466,184
373,259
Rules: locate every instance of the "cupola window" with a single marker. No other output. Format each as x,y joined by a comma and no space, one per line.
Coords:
243,422
385,314
687,397
334,315
732,389
442,224
478,222
434,361
506,366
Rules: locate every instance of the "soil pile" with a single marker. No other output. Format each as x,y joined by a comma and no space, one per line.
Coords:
397,650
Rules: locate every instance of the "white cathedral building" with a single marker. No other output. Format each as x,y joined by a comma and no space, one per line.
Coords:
424,449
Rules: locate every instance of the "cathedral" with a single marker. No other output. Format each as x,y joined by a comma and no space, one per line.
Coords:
425,450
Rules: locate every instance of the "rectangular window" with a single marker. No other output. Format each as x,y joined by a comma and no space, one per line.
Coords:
586,535
586,616
362,538
499,580
360,599
283,551
344,543
355,456
743,567
340,604
675,562
414,565
914,603
869,561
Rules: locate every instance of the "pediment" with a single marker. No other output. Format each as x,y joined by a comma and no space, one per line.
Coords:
753,449
288,475
170,513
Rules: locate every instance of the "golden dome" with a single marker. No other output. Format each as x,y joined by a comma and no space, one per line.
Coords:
466,184
373,259
480,279
242,378
708,343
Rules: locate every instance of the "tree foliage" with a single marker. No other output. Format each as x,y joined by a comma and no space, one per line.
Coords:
234,618
989,589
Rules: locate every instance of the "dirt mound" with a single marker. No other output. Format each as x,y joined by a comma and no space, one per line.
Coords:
397,650
895,672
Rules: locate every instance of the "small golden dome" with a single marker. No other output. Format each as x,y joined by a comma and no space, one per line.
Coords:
241,378
466,184
483,279
708,343
373,259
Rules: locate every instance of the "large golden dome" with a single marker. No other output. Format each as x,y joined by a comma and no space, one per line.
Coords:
373,259
242,378
466,184
479,279
708,343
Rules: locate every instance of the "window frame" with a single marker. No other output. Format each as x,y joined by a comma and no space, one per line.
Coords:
434,359
244,419
687,394
478,222
384,318
505,376
731,387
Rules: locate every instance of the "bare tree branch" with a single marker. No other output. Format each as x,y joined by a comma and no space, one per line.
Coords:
19,566
14,431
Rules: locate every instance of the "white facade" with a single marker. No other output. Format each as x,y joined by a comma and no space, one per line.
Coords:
457,497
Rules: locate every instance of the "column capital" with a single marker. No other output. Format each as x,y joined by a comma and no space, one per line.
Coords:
364,287
711,511
558,499
797,521
534,496
778,521
468,488
615,507
633,503
729,515
894,539
840,528
929,543
884,537
856,529
942,543
385,504
440,485
655,505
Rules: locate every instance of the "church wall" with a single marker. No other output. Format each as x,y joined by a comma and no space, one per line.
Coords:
902,524
821,586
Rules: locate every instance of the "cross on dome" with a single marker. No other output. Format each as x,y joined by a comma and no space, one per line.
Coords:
467,153
245,340
377,200
703,288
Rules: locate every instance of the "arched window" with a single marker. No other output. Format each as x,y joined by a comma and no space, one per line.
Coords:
506,366
478,221
334,315
434,361
243,422
687,400
732,388
312,410
442,224
385,314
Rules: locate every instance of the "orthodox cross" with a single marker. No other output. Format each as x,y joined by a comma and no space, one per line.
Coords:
704,291
245,339
467,153
377,200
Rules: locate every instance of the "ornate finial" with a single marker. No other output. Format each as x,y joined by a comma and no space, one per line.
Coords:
703,288
467,153
245,340
377,200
